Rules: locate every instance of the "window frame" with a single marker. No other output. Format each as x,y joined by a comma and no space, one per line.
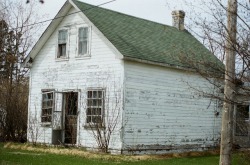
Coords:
66,47
47,123
87,54
92,107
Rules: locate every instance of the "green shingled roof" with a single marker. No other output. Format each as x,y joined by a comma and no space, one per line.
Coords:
141,39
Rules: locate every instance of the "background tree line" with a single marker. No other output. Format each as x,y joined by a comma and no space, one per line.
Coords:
15,42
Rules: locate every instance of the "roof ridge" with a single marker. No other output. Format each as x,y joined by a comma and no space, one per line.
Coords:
125,14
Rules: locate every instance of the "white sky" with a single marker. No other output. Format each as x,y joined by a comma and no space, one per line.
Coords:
154,10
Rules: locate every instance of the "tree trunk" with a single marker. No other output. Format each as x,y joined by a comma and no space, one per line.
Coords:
228,106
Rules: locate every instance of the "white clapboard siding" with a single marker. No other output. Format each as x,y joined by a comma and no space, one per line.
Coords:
163,107
101,69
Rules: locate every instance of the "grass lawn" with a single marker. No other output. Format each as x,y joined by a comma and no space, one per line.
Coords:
16,154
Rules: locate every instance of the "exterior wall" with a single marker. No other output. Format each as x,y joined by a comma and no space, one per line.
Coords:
101,69
164,112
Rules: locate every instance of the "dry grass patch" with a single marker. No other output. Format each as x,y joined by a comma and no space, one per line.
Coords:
102,156
69,151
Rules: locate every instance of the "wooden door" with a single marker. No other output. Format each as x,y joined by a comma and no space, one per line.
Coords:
70,109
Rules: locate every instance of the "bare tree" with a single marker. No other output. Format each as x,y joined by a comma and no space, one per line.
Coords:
33,130
15,41
213,22
104,118
41,1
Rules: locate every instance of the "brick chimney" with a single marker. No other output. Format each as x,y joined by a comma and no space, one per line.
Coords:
178,19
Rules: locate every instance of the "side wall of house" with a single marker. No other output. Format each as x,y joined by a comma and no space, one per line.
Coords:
102,69
164,111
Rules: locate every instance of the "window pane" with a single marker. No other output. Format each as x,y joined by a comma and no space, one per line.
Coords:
95,111
47,107
44,104
99,102
99,94
44,119
49,119
89,94
50,103
96,119
50,95
43,112
50,111
83,34
62,36
88,119
83,41
82,47
95,102
89,111
61,50
89,102
94,94
45,96
98,111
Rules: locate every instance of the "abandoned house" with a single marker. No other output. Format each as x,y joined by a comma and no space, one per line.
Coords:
93,65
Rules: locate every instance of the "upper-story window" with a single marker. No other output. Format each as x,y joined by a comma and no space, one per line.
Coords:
62,43
83,41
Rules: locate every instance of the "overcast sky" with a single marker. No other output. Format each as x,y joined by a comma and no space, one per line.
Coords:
154,10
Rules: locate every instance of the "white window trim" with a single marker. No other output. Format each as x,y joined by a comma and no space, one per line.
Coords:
66,58
88,54
53,106
86,124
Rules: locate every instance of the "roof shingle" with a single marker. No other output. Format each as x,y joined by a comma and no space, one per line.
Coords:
146,40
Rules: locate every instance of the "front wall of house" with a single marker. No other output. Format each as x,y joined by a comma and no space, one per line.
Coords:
102,69
165,112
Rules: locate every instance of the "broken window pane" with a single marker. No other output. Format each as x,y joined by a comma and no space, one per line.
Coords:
62,43
61,50
47,106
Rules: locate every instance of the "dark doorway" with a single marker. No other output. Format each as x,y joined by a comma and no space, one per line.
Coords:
70,109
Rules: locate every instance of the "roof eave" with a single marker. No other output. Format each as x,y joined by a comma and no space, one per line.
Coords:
159,64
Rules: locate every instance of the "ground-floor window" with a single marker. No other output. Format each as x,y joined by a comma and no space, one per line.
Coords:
47,106
95,106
